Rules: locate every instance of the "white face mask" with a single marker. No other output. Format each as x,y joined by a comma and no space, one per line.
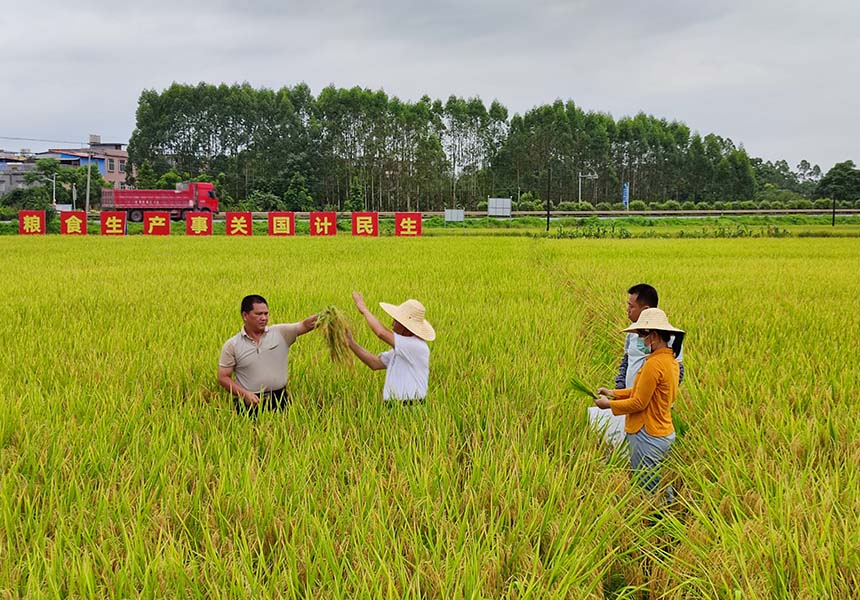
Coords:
643,347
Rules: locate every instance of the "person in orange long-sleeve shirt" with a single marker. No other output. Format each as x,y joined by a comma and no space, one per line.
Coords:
648,404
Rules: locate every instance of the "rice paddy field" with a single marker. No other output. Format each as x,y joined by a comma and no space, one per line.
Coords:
125,472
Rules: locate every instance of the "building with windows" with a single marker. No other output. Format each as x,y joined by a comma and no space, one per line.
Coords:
13,171
110,158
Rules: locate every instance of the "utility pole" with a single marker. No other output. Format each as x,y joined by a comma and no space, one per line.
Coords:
548,188
89,171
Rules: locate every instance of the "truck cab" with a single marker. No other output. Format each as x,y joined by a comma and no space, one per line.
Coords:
203,193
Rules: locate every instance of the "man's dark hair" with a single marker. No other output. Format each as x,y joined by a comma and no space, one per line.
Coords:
645,294
248,302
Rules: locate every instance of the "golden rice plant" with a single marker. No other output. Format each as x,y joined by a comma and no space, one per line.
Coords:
334,325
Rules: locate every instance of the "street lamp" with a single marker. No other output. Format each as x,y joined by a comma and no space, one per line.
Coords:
586,176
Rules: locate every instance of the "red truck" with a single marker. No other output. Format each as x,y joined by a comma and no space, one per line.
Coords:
186,197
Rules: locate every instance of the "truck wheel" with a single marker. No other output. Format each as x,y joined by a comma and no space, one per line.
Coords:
135,216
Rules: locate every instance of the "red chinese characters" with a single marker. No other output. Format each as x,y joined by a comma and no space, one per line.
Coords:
323,223
113,222
365,224
238,223
73,222
282,223
31,222
407,224
198,223
156,223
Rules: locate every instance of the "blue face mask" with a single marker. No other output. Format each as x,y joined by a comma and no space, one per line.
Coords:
643,347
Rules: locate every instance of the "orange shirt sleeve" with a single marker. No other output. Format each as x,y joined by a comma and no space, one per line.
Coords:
622,394
640,396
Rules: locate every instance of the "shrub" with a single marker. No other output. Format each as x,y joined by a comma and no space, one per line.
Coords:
688,205
638,205
266,201
528,205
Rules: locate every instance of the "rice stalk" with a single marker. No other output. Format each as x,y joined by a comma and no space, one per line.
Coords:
333,324
580,386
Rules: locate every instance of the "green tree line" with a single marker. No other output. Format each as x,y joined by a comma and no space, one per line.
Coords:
362,149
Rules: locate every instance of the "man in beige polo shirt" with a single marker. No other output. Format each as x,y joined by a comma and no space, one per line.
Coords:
253,363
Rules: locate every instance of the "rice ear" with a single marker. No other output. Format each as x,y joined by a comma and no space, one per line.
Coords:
333,324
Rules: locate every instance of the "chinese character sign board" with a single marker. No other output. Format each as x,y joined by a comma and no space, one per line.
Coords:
198,223
73,222
282,223
31,222
365,224
238,223
156,223
407,224
113,222
323,223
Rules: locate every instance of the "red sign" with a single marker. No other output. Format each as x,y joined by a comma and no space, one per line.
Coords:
282,223
407,224
31,222
238,223
323,223
113,222
73,222
365,224
156,223
198,223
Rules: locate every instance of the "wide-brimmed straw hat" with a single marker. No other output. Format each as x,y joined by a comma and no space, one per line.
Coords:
652,319
410,314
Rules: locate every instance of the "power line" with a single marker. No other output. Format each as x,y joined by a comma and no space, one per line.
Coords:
26,139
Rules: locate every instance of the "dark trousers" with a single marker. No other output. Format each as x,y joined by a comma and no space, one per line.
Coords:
394,404
269,400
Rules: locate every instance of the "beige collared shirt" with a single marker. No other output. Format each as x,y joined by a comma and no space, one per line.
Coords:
263,366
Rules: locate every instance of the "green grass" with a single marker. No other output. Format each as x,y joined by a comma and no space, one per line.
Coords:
124,471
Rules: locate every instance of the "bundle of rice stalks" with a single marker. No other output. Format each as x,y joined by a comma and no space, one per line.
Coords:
333,324
581,387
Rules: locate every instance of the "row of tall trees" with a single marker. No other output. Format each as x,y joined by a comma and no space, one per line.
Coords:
347,147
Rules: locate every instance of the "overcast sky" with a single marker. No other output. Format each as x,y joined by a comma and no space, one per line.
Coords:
780,77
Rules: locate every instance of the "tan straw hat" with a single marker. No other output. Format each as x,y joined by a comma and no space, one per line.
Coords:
652,319
410,314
